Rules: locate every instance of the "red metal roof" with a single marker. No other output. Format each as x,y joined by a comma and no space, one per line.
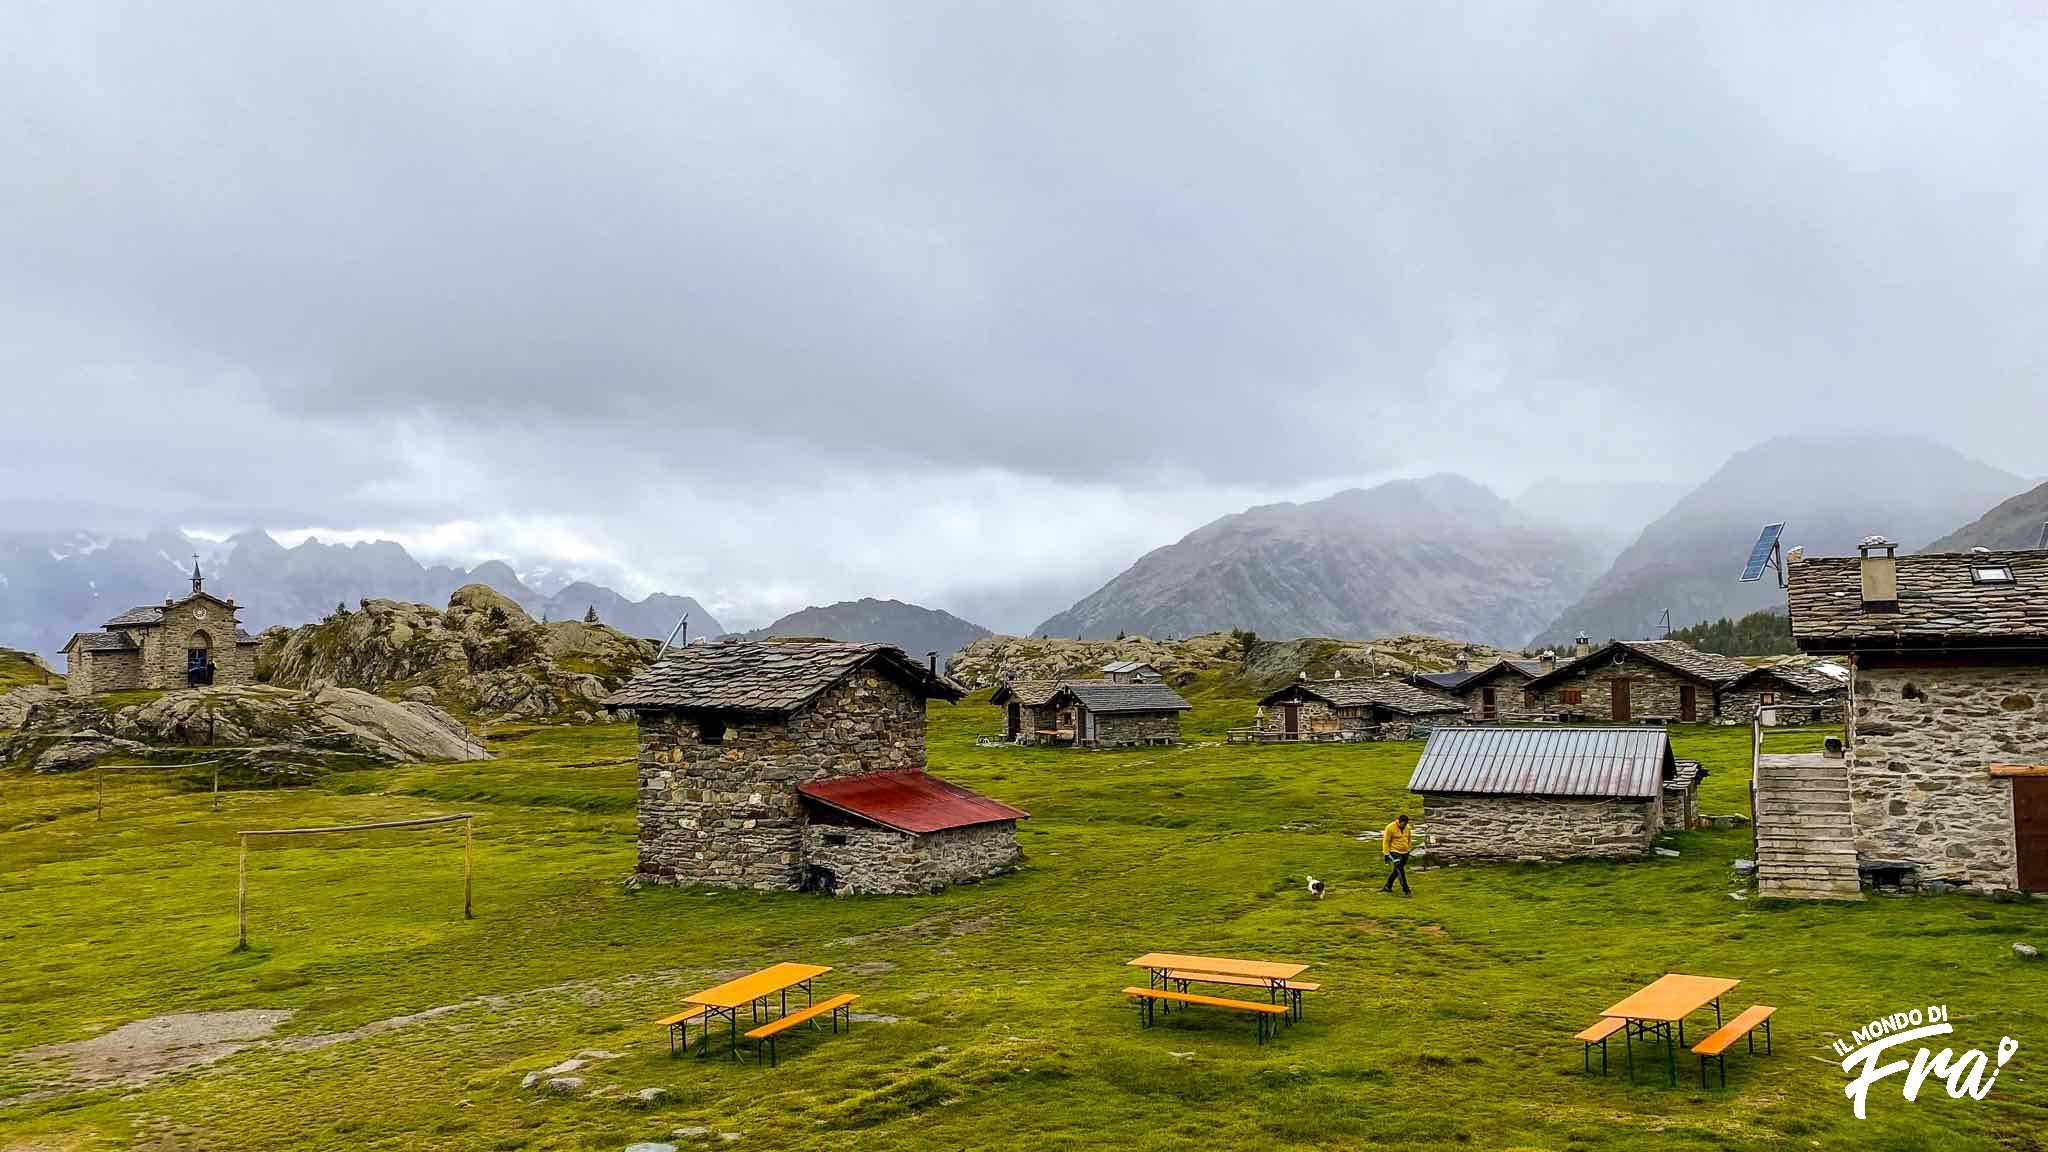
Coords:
909,801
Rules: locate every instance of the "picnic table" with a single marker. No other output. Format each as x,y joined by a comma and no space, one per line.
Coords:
1163,967
752,991
1667,1001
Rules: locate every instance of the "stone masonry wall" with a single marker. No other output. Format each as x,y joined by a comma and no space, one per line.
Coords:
728,814
1123,728
1738,706
164,647
103,672
1310,712
865,861
1921,743
1511,703
1031,719
1511,827
1653,692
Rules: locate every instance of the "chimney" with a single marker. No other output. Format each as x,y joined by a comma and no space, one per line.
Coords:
1797,554
1880,574
931,662
1582,645
1549,659
1336,674
1464,660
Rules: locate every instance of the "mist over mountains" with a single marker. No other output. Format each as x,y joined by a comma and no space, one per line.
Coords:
55,584
916,630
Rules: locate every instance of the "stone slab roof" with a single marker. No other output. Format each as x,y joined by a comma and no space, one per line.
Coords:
909,801
1108,698
768,676
1586,763
1444,681
242,637
102,642
1806,680
139,616
1940,602
1030,693
1116,666
1393,695
1709,668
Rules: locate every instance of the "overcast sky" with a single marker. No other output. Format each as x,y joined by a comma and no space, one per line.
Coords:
973,303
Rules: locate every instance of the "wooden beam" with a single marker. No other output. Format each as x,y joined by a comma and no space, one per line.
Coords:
2019,769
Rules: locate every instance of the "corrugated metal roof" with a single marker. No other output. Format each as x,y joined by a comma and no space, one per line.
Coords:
1116,666
1625,763
1104,696
909,801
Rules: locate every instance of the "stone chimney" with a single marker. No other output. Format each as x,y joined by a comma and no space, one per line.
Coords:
1464,660
1549,659
1582,645
931,663
1880,574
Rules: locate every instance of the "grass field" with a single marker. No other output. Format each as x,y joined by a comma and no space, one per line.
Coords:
1445,1019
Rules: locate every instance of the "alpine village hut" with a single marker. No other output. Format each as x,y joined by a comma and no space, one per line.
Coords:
1527,793
1944,780
191,642
1090,713
1493,694
800,765
1637,681
1356,709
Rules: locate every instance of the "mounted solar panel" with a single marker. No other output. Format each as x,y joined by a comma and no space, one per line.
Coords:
1761,555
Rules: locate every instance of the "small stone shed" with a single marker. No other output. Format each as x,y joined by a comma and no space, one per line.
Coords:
1780,694
792,764
1510,793
1634,681
1028,712
1500,691
1130,672
1947,731
1090,713
1337,709
193,642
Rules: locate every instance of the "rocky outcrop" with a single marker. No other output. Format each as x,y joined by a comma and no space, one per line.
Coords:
482,655
1269,664
14,705
68,733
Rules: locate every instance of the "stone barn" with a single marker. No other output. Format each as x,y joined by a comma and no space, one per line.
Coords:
792,764
1500,793
1945,777
1130,672
1090,713
192,642
1335,709
1781,694
1500,691
1028,715
1638,681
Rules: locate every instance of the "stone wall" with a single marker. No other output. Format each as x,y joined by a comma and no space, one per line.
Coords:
1031,719
863,860
1311,713
720,807
1921,743
1681,805
1115,729
1653,693
1510,698
91,672
164,646
1550,828
1793,707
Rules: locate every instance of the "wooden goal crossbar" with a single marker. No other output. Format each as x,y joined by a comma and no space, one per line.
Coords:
242,864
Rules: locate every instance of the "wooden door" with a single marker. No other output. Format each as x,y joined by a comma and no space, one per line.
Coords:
1688,703
1489,705
1016,719
1622,714
1290,720
2030,830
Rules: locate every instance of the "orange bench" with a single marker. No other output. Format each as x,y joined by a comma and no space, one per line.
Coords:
1598,1034
1723,1038
1294,988
767,1033
680,1024
1262,1012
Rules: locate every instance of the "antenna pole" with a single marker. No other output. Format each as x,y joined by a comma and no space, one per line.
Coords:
673,633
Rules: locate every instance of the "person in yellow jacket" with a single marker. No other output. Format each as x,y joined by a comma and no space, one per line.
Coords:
1395,845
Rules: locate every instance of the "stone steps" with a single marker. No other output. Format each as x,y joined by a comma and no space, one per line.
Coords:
1806,839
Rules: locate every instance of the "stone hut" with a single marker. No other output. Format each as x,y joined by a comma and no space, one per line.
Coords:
1130,672
1028,717
1508,793
1090,713
1780,694
1638,681
1500,691
792,764
192,642
1945,775
1336,709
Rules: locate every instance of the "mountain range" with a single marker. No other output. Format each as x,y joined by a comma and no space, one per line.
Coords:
2016,523
54,584
914,629
1829,492
1441,555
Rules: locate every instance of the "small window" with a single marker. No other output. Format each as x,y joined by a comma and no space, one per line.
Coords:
1991,574
835,839
1769,698
1570,696
711,730
1532,699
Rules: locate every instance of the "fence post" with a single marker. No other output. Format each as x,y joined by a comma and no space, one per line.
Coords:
99,786
242,897
467,914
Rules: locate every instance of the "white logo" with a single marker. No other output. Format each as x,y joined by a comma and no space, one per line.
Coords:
1964,1074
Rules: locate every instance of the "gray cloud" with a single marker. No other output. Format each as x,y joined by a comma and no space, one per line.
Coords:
555,260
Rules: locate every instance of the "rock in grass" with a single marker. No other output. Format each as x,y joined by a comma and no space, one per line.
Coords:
2026,951
693,1132
650,1146
564,1086
1665,851
1745,866
648,1097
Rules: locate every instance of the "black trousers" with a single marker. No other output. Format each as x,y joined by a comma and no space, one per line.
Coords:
1400,872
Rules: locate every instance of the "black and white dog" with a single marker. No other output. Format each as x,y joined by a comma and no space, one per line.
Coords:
1315,888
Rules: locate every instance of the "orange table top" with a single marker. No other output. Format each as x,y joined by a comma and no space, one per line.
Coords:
1219,965
1673,996
766,982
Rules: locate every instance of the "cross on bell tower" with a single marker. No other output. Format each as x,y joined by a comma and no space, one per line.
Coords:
197,579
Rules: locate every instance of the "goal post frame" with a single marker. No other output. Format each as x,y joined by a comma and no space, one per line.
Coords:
242,862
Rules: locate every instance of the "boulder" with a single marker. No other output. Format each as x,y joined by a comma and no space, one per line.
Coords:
648,1098
563,1086
14,705
418,694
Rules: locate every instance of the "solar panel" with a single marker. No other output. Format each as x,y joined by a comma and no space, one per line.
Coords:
1766,543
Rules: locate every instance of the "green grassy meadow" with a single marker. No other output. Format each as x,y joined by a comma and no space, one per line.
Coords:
1445,1019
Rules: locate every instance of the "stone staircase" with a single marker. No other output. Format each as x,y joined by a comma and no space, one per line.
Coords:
1806,841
